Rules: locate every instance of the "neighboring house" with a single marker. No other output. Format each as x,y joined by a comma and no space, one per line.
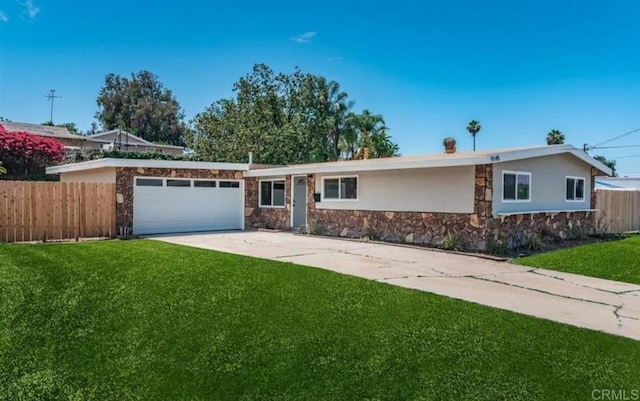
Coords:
622,183
503,194
108,140
122,140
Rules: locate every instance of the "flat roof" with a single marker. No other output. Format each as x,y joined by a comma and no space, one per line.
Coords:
493,156
144,163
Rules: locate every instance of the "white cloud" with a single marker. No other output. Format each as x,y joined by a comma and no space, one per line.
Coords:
3,17
32,10
304,38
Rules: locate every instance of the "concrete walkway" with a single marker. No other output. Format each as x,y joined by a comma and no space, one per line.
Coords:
597,304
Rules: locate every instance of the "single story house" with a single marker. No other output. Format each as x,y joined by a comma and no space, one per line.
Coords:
503,194
108,140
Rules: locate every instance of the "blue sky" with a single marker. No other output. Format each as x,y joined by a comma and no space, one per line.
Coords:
520,67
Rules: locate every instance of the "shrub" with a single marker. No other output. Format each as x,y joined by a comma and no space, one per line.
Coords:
535,243
452,242
316,229
577,233
25,155
498,247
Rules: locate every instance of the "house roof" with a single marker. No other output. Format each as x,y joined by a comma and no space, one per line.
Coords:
432,160
144,163
41,130
629,183
98,137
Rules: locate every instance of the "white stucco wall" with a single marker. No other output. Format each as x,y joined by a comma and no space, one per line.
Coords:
443,190
548,184
106,175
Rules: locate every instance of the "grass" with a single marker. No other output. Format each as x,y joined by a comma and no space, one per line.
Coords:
144,320
613,260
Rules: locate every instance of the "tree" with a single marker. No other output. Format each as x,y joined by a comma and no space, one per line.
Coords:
474,127
373,136
555,137
25,155
5,119
281,118
142,106
2,169
609,163
71,127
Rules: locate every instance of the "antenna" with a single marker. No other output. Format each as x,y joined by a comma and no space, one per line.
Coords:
51,96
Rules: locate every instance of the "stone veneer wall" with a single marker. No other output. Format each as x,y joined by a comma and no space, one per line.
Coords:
124,187
514,229
260,217
475,229
411,227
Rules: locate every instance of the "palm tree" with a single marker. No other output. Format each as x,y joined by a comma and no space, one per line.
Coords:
336,109
369,125
555,137
474,127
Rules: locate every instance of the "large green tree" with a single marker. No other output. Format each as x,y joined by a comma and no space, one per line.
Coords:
142,106
555,137
281,118
609,163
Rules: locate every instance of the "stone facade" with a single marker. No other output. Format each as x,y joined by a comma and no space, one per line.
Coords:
124,188
261,217
473,229
514,229
410,227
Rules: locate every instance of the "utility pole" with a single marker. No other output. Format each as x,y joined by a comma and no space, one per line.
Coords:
51,96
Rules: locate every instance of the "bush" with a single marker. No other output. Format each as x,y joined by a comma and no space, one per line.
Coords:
498,247
25,155
118,154
452,242
577,233
535,243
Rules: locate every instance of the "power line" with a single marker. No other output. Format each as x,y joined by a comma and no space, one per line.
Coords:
51,96
627,156
614,138
614,147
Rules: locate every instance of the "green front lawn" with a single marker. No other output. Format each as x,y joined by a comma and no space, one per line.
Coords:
614,260
144,320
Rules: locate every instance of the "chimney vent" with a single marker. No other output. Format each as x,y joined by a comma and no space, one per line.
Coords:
449,145
366,153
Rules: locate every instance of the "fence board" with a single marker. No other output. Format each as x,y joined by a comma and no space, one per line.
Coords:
35,211
3,211
618,210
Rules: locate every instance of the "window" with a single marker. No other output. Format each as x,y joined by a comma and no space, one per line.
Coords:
204,184
148,182
575,189
272,193
229,184
340,188
516,186
178,183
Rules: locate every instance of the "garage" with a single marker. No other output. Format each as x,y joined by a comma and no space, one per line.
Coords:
175,205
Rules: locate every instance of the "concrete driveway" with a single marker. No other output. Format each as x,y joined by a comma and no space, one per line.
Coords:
597,304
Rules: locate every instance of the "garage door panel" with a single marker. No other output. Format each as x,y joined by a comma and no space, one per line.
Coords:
165,209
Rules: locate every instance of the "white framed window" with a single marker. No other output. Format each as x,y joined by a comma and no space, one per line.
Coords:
516,186
271,193
574,189
340,188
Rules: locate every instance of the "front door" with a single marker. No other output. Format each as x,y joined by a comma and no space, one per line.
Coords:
299,201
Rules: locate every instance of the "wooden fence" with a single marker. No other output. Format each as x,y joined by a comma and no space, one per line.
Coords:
41,211
618,210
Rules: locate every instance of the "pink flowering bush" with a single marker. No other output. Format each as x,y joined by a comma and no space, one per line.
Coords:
25,155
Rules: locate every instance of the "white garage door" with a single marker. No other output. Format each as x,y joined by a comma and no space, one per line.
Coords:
174,205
